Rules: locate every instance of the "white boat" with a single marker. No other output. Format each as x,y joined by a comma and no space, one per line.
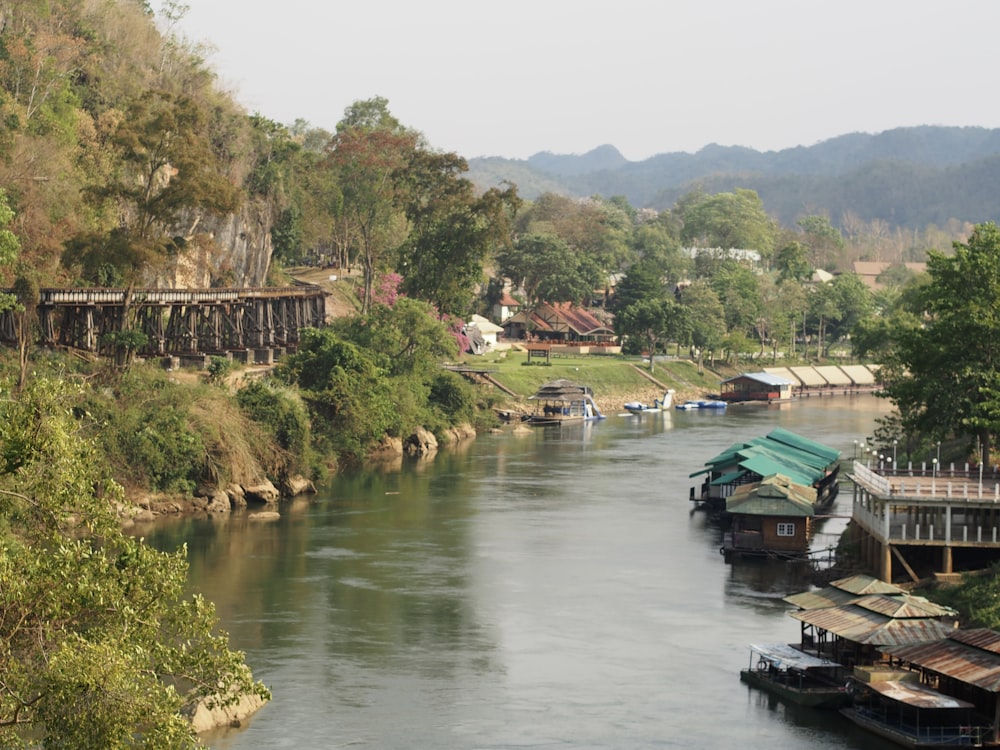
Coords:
638,407
705,404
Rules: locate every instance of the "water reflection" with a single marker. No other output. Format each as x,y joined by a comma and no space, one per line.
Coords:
546,589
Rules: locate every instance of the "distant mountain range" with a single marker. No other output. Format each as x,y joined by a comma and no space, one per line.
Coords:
908,177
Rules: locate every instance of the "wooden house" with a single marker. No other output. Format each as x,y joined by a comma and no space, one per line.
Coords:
771,517
558,323
781,451
756,386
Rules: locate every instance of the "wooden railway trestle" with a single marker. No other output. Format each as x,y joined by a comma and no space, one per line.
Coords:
175,321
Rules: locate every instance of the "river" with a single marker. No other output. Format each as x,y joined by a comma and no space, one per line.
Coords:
550,590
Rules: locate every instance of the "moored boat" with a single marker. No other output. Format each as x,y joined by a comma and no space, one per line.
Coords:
638,407
797,677
915,716
703,404
562,402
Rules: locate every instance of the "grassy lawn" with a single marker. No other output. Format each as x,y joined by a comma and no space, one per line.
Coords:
613,379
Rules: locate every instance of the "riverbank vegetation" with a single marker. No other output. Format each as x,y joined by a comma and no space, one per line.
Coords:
121,164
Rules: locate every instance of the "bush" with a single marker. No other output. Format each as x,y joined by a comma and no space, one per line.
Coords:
281,414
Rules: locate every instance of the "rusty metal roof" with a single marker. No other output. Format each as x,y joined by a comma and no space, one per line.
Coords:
915,694
825,597
842,591
904,606
969,656
864,584
860,625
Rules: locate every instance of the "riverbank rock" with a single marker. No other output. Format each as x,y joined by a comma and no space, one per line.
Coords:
237,495
421,443
387,448
459,433
297,485
204,719
262,492
264,515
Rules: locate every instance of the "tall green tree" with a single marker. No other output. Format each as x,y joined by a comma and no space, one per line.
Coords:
706,319
99,641
369,154
167,167
453,231
649,322
730,220
945,373
548,270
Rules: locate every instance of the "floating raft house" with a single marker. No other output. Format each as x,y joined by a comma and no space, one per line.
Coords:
801,460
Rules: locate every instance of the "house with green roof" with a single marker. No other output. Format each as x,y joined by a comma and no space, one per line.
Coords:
770,517
799,459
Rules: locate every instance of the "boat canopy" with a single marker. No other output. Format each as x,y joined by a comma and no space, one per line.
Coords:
783,656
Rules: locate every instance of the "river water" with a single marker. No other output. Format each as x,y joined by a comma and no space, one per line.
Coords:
548,590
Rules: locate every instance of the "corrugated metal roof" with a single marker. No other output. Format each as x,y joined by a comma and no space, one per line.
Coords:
729,478
783,372
859,374
903,606
784,656
917,695
761,377
787,437
833,374
775,495
808,375
865,584
765,466
859,625
826,597
803,460
957,658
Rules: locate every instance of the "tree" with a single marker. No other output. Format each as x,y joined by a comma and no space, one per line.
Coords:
730,220
792,263
99,642
648,321
369,153
548,270
168,167
706,319
643,281
946,372
453,231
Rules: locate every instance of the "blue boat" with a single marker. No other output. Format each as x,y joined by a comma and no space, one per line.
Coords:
704,404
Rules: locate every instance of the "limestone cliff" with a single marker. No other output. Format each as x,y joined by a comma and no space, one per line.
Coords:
222,251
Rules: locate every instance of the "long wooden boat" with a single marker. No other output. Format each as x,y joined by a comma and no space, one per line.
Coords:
797,677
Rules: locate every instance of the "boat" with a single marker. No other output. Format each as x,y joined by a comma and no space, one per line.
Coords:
561,402
703,404
797,677
637,407
915,716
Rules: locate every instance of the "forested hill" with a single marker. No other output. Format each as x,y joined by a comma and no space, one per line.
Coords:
907,177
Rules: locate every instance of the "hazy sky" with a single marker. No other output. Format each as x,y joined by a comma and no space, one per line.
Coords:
647,76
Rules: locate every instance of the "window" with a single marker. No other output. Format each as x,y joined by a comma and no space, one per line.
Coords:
786,529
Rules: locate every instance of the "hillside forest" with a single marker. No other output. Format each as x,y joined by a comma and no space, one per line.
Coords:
124,164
